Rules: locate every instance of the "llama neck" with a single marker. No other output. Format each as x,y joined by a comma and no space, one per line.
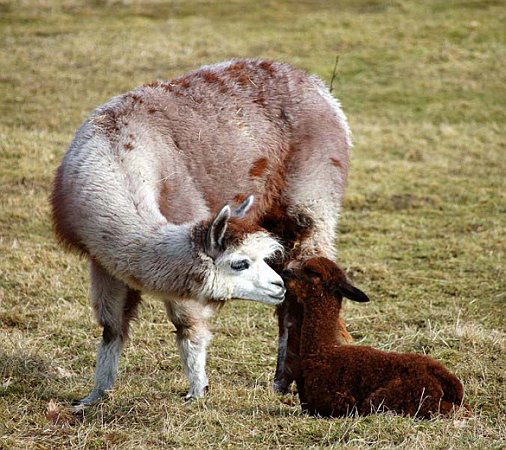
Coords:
319,326
172,263
167,260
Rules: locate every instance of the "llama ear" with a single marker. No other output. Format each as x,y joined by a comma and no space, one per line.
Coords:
216,232
351,292
244,207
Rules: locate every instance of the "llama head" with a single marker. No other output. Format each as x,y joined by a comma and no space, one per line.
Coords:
239,251
316,277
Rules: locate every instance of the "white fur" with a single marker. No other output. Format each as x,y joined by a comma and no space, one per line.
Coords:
336,106
259,282
105,372
193,357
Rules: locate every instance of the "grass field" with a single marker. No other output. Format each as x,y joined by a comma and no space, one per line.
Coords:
423,229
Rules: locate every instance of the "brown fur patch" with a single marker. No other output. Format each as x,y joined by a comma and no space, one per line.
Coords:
243,80
210,77
167,86
239,198
153,84
238,73
152,110
258,168
128,146
236,232
213,79
236,67
291,229
335,162
184,82
136,98
238,229
268,67
214,202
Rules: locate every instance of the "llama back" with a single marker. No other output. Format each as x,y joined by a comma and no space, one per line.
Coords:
246,127
175,152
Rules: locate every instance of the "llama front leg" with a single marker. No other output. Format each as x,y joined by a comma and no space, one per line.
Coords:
192,338
335,404
288,362
192,345
114,304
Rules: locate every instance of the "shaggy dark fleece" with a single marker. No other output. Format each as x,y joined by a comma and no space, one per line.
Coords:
290,315
339,380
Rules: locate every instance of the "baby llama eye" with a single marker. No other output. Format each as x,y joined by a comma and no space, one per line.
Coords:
240,265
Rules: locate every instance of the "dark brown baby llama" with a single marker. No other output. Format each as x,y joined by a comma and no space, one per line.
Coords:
290,315
340,380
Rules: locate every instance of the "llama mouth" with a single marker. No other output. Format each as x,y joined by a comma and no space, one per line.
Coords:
278,298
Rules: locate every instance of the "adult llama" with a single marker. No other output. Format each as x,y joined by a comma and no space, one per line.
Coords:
199,190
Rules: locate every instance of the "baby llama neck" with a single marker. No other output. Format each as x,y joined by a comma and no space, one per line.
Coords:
320,326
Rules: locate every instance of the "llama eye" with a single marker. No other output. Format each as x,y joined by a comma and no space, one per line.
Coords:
243,264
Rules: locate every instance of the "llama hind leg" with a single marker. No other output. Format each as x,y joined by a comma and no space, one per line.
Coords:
416,397
192,338
390,397
114,304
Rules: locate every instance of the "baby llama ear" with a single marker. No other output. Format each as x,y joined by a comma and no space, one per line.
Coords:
244,207
216,232
351,292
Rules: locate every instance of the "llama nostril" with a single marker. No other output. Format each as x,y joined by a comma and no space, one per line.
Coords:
278,283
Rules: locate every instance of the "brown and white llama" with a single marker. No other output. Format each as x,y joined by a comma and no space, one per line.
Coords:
339,380
142,187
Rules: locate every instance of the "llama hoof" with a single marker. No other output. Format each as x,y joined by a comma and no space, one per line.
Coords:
78,410
79,406
195,394
189,398
280,387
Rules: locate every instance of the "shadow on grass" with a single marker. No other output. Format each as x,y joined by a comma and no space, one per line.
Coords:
28,375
